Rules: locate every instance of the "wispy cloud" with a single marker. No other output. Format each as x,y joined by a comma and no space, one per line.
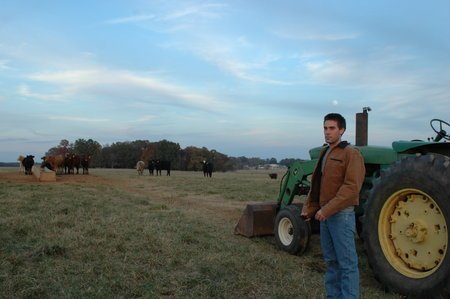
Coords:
208,10
4,65
328,71
224,58
143,119
125,84
24,90
358,72
216,50
78,119
316,36
131,19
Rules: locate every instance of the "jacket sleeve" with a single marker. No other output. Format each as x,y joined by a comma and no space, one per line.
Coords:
348,193
310,207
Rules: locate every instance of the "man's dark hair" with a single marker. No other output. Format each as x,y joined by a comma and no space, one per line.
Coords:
336,117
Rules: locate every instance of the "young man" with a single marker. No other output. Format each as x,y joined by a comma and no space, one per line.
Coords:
335,186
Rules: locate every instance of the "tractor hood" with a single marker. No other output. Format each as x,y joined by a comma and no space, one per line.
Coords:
372,154
386,155
404,145
420,146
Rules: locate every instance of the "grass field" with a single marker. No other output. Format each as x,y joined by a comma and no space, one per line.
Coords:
114,234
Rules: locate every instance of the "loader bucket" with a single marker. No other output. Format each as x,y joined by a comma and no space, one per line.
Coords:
257,220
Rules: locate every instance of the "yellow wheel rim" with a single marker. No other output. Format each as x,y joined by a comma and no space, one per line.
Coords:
413,233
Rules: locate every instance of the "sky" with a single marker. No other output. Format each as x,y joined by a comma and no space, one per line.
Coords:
247,78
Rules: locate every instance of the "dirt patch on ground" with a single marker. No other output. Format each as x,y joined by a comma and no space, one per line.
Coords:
17,177
21,178
92,179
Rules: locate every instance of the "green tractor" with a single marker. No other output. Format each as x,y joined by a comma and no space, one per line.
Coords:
402,218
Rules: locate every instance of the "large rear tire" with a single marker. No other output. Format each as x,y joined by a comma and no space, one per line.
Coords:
292,233
406,227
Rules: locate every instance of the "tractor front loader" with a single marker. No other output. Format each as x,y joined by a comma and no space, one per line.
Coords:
403,215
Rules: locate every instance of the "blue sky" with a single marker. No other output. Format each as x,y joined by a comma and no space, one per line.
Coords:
246,78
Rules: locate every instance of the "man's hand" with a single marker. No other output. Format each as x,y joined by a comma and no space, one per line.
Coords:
304,215
320,216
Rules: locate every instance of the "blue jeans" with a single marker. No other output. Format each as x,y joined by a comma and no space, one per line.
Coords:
337,237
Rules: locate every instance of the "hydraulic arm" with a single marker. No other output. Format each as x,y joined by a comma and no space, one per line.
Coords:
295,182
258,218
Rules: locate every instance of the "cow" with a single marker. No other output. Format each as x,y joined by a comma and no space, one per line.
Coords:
208,168
28,163
85,160
55,163
76,163
69,163
151,166
140,166
159,166
20,159
162,165
273,176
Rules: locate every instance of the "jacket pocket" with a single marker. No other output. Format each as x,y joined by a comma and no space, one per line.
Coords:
336,159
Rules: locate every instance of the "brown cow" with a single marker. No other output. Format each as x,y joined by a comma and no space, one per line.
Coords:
55,163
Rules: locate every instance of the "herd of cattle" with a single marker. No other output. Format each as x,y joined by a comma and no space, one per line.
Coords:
153,165
69,162
58,163
160,165
208,168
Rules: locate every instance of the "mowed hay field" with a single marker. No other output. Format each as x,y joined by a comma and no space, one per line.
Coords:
114,234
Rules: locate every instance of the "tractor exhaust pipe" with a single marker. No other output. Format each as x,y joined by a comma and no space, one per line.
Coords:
362,120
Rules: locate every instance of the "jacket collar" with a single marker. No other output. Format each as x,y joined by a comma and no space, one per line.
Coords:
342,144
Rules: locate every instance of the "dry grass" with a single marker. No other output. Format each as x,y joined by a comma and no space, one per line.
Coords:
114,234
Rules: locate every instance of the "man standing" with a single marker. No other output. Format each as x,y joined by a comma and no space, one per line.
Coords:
335,186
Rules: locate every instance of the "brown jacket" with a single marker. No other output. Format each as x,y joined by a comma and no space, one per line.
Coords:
339,185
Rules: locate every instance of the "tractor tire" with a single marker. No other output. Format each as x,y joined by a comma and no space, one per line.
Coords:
292,233
406,227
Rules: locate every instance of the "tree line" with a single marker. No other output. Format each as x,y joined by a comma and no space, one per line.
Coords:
126,154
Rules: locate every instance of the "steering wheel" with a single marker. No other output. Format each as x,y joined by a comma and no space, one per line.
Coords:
441,133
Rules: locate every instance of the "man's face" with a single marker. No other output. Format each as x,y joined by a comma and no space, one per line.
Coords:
332,132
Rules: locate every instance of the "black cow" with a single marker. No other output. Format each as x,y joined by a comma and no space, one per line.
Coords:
208,168
71,162
159,166
162,165
28,163
68,163
85,160
77,163
273,176
151,166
